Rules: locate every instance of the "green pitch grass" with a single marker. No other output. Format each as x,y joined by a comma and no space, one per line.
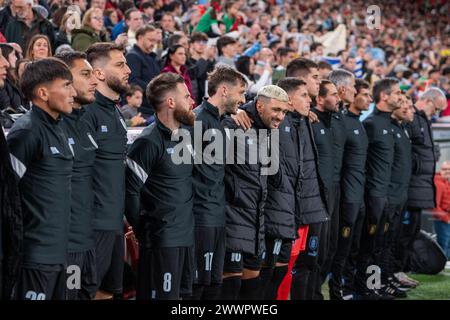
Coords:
435,287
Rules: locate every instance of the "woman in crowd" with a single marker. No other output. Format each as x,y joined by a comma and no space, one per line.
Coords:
176,63
91,31
39,48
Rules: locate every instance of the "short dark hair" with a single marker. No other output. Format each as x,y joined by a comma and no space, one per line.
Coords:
274,43
315,45
272,27
289,41
160,86
446,71
290,84
142,31
323,90
129,12
223,42
300,67
284,51
100,51
223,74
133,88
434,70
198,36
125,5
324,65
69,58
43,71
6,50
174,39
383,85
146,5
361,84
242,65
229,4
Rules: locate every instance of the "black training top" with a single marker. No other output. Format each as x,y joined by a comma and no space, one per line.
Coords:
42,160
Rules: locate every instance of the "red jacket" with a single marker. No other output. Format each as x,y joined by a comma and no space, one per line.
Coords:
442,210
183,73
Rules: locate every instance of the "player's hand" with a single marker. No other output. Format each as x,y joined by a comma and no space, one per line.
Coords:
313,117
130,235
137,120
242,119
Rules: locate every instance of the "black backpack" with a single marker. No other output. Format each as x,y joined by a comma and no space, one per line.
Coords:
427,256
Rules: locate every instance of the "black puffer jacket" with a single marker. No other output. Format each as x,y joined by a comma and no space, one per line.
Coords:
281,198
311,207
245,191
422,191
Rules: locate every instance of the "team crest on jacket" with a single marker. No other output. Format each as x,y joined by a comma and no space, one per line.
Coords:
346,232
313,245
356,131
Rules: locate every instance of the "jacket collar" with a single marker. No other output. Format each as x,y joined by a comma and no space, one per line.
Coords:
139,50
170,68
250,108
396,123
324,116
212,109
76,113
383,114
165,131
104,101
352,115
44,116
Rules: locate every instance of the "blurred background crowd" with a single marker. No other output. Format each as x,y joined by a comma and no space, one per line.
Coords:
258,38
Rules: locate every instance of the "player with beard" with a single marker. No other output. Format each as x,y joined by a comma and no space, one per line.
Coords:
81,248
380,158
109,131
159,195
246,193
352,210
226,90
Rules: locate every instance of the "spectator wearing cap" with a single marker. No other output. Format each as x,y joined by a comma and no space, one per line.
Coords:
226,47
27,23
176,63
143,62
